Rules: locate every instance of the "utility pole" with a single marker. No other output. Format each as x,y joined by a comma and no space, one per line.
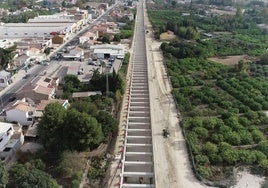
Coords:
107,83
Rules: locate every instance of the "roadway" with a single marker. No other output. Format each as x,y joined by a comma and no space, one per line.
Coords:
8,94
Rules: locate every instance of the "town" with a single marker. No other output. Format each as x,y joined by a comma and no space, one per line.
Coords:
119,93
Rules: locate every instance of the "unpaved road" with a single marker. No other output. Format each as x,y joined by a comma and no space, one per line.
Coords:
172,166
171,162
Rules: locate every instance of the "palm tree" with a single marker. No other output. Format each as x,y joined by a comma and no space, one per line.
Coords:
102,66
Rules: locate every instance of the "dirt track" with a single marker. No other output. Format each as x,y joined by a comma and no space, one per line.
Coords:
172,166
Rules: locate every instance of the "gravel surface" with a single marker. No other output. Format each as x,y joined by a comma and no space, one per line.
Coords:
172,165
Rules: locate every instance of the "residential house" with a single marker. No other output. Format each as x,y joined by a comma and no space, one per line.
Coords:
41,88
21,60
33,52
101,29
5,78
58,39
112,28
90,37
75,53
11,139
130,16
43,103
21,112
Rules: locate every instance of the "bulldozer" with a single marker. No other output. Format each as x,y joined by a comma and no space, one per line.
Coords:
166,133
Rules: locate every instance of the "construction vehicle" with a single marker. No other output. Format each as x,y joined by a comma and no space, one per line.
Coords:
166,133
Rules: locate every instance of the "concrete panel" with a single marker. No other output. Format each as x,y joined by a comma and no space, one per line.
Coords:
139,125
139,148
139,119
139,140
138,168
139,133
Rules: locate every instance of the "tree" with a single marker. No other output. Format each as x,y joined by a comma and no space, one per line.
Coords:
26,176
6,55
174,4
265,15
62,129
257,136
264,165
108,123
71,163
79,3
210,148
232,138
239,14
85,106
202,160
63,4
264,59
51,127
3,175
117,38
246,137
201,132
204,171
230,156
47,51
247,157
263,147
105,39
72,84
81,131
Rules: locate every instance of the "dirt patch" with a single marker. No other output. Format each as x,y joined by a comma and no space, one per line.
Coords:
231,60
167,36
247,180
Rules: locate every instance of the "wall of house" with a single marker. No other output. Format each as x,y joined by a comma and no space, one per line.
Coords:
19,116
5,138
57,40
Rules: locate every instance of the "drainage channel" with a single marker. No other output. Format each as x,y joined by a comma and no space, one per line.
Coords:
137,161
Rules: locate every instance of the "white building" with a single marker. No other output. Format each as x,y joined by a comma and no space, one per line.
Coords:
105,51
21,112
11,139
33,30
5,78
6,131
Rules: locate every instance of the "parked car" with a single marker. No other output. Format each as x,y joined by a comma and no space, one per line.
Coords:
11,99
26,76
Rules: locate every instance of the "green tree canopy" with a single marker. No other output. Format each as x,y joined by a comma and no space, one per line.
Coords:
51,127
81,131
3,175
26,176
85,106
6,56
109,124
62,129
72,84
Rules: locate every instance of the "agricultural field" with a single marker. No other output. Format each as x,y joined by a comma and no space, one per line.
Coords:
221,89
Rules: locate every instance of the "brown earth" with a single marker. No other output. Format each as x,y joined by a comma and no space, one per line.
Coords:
232,60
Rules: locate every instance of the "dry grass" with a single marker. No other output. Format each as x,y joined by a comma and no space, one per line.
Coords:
231,60
166,36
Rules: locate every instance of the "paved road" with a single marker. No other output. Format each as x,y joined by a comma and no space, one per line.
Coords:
18,82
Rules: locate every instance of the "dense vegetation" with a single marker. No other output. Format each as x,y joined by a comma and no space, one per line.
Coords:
231,36
6,56
222,107
30,174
